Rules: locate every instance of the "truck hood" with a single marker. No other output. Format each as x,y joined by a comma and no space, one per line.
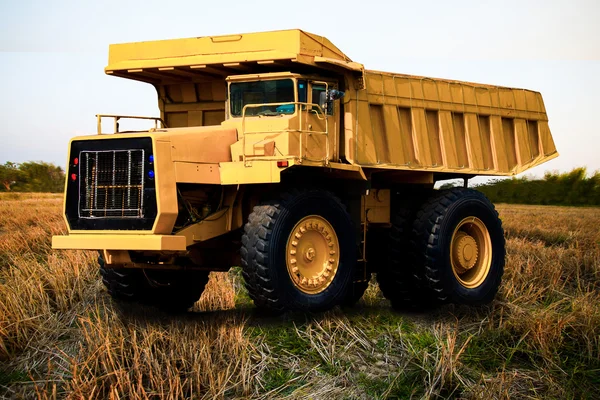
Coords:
203,144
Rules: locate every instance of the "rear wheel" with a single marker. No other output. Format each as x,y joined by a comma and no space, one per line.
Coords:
458,239
358,287
170,290
400,278
299,252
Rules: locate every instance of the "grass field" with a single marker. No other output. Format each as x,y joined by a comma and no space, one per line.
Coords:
62,336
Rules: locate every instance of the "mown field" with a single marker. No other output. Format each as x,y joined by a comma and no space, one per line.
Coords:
61,336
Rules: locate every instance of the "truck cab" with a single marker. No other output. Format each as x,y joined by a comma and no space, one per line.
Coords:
283,115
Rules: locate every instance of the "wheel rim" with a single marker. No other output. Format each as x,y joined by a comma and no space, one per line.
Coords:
471,252
312,254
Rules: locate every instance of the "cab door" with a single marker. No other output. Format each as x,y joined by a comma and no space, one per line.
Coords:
319,123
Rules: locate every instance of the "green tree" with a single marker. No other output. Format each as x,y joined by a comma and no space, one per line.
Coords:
10,174
39,176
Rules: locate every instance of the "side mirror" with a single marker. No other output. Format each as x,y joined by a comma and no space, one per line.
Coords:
323,101
335,94
325,98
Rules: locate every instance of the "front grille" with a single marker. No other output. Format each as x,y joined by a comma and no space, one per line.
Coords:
111,184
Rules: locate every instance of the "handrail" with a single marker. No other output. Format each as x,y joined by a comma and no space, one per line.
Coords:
118,117
321,116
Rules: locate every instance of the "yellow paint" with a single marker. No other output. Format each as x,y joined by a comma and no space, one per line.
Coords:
404,121
403,127
377,206
108,241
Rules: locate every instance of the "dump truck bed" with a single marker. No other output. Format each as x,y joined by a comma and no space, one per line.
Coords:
413,122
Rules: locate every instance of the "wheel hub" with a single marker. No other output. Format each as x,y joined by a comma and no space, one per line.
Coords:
312,254
471,252
465,252
309,255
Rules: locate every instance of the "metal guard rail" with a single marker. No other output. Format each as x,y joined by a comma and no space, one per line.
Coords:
116,119
309,108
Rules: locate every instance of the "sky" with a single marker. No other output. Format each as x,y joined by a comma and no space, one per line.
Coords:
53,54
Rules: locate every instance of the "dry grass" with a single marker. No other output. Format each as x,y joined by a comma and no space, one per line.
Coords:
62,336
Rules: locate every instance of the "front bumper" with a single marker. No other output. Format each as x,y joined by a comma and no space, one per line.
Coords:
119,242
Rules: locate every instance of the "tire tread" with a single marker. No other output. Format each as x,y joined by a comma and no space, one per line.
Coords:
425,240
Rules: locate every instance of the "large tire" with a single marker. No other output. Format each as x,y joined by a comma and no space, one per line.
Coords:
169,290
458,240
358,287
399,278
299,252
174,290
124,284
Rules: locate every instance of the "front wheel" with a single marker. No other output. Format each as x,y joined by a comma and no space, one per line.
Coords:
299,252
170,290
458,240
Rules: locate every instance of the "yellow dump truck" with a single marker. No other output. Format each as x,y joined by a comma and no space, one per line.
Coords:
276,152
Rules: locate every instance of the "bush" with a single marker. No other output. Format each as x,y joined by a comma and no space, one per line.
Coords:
566,189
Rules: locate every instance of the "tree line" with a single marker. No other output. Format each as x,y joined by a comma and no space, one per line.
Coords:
573,188
31,176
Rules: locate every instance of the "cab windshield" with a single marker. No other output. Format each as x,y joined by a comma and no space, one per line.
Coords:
263,92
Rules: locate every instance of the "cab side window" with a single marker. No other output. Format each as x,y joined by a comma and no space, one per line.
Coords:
302,91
